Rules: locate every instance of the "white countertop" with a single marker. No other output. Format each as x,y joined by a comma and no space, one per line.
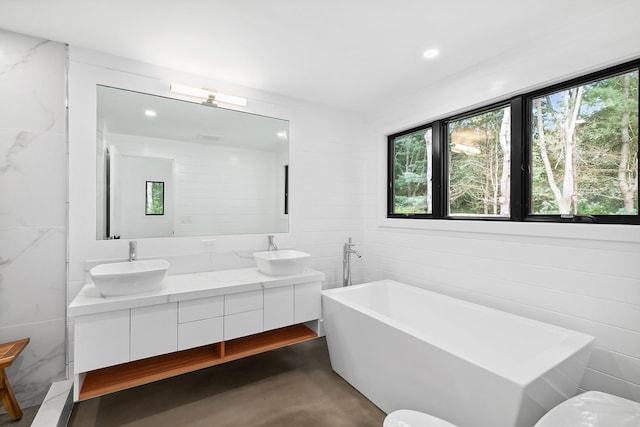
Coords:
180,287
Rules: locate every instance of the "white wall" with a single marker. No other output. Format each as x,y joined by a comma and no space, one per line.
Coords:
584,277
32,210
326,179
219,189
130,187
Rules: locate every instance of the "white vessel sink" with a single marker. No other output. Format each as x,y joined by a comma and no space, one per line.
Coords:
127,278
282,262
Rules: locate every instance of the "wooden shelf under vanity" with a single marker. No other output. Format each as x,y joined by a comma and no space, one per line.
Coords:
131,374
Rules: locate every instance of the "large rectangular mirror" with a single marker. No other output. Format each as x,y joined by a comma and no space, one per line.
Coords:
222,171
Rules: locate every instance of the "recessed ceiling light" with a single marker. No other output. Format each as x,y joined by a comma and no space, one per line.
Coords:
150,113
431,53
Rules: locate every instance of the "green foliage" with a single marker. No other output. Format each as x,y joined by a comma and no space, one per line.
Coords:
599,174
598,145
410,173
476,162
155,198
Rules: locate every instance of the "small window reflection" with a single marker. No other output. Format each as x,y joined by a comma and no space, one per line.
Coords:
154,198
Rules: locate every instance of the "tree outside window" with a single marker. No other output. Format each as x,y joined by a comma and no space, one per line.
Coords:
480,164
412,186
584,153
154,198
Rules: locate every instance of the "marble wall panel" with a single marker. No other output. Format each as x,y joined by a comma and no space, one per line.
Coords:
33,210
41,363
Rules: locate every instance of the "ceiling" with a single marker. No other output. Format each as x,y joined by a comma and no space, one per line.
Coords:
345,54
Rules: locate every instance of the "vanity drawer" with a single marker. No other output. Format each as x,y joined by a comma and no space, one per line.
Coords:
242,324
242,301
199,309
200,332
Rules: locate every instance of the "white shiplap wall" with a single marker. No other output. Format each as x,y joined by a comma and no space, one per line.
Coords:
591,286
325,186
584,277
242,185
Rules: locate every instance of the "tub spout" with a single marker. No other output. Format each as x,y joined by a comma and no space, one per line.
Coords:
347,250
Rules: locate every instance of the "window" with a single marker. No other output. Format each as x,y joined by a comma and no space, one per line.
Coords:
567,153
154,198
584,151
480,163
410,173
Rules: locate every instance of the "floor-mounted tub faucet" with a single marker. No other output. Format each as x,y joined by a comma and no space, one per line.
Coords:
347,250
133,250
271,246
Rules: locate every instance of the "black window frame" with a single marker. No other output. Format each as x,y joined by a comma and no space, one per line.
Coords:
447,160
390,174
521,146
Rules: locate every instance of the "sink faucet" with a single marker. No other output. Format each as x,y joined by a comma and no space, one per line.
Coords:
271,246
133,250
347,250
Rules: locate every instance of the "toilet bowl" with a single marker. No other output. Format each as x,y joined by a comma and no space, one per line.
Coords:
410,418
593,409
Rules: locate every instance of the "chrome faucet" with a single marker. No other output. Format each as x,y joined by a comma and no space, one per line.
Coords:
271,246
133,250
347,250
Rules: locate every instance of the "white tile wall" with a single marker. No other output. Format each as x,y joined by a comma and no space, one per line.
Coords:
32,210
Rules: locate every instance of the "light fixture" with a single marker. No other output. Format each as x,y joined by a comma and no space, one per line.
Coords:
208,96
150,113
430,53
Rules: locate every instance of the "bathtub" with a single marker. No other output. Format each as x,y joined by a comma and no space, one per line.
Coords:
474,366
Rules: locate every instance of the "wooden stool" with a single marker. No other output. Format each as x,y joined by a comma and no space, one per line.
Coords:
8,353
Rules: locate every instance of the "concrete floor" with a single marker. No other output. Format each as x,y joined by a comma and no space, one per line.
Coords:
28,414
288,387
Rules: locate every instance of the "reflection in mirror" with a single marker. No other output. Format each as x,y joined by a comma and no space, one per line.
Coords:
154,198
205,170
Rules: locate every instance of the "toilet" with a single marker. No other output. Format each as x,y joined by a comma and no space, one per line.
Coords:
410,418
589,409
593,409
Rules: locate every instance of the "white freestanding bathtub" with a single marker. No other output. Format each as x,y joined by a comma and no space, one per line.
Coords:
408,348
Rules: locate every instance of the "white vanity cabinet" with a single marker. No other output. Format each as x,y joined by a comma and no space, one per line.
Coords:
243,314
154,330
200,322
307,302
186,328
101,340
288,305
278,307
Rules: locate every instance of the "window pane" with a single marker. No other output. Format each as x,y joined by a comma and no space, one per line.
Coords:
154,198
412,173
584,158
480,164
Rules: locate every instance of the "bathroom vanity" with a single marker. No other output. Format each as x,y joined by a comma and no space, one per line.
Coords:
193,321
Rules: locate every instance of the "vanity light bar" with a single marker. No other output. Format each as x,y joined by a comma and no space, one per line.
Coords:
208,96
229,99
